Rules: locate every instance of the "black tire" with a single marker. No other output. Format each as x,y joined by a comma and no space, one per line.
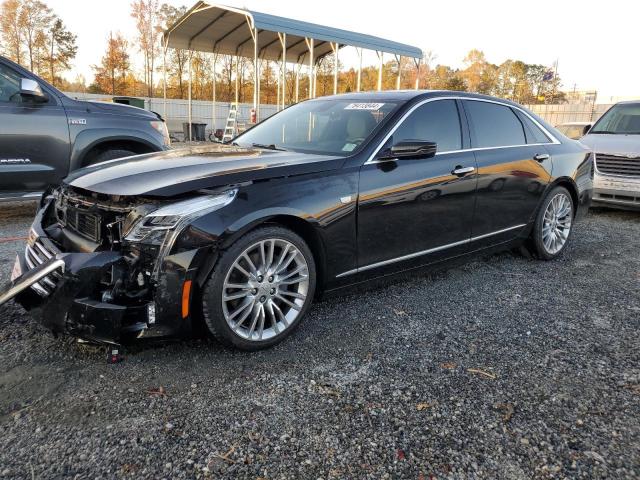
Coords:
212,303
535,244
111,154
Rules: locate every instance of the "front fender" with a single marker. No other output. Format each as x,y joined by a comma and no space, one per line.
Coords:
89,138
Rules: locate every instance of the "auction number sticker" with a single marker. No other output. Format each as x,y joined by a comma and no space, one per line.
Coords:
364,106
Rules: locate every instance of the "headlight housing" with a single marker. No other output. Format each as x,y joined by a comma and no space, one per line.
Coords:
161,127
161,227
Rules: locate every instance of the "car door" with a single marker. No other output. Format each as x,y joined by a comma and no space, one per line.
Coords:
34,137
514,168
412,211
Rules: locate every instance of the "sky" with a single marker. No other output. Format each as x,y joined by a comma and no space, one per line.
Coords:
572,32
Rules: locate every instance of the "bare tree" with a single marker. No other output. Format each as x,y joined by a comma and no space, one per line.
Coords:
147,16
177,59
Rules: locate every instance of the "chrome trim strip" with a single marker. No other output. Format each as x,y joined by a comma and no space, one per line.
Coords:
554,140
30,278
426,252
497,232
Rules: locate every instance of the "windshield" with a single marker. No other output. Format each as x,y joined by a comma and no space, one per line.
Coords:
330,127
620,119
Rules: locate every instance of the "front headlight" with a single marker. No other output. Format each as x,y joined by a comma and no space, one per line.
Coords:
161,127
154,226
161,227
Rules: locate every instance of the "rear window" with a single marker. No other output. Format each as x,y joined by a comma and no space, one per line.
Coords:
494,125
533,132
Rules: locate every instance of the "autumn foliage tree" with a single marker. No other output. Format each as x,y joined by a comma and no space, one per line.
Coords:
33,36
112,74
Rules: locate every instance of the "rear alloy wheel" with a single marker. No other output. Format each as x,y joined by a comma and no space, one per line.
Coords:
260,289
553,224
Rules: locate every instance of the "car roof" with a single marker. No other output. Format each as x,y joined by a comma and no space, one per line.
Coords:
627,102
405,95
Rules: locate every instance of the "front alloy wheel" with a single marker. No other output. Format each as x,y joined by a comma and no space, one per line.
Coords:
260,289
265,289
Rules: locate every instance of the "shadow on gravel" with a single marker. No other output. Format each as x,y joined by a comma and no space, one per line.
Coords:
500,368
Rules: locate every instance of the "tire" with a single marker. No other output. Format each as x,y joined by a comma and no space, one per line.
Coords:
110,155
549,238
263,303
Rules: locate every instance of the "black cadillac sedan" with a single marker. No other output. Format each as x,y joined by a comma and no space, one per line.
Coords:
330,192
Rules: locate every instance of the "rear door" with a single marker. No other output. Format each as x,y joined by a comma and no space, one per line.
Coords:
34,137
514,168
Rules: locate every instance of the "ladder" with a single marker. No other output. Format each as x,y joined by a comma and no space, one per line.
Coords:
230,127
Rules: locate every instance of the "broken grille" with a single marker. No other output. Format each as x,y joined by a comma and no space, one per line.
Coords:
83,223
37,255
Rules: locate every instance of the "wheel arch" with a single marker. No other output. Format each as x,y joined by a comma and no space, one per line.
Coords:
291,220
571,186
93,141
134,145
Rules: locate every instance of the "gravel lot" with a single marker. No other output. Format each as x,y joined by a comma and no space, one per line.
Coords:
503,368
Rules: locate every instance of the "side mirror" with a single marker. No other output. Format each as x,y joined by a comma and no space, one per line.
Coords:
586,129
411,149
31,89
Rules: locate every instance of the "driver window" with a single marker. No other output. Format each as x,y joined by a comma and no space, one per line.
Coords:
436,121
9,85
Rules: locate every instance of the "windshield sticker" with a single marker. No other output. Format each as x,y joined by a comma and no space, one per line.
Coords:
364,106
348,147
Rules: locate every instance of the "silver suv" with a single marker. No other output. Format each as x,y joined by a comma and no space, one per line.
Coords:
615,140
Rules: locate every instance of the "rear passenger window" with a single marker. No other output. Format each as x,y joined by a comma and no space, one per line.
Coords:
495,125
436,121
534,134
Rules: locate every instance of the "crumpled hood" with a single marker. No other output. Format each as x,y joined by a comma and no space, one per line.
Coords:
613,144
175,172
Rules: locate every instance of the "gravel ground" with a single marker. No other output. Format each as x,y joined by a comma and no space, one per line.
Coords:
503,368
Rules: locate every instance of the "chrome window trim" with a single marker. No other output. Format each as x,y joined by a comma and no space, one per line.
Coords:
552,138
426,252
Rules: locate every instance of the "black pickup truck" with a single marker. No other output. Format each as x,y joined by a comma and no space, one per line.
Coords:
44,134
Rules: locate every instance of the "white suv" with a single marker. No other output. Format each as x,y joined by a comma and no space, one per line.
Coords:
615,140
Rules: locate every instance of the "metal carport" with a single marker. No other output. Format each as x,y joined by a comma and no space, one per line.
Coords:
220,29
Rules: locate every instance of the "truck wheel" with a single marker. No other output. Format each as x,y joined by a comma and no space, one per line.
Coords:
110,155
260,289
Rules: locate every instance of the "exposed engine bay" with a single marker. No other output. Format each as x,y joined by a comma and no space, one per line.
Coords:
94,223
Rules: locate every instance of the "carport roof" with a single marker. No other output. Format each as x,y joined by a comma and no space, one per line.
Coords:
227,30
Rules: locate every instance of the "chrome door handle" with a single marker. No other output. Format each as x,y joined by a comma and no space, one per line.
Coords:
461,171
541,157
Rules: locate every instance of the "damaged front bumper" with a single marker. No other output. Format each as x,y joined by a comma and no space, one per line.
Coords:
65,292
